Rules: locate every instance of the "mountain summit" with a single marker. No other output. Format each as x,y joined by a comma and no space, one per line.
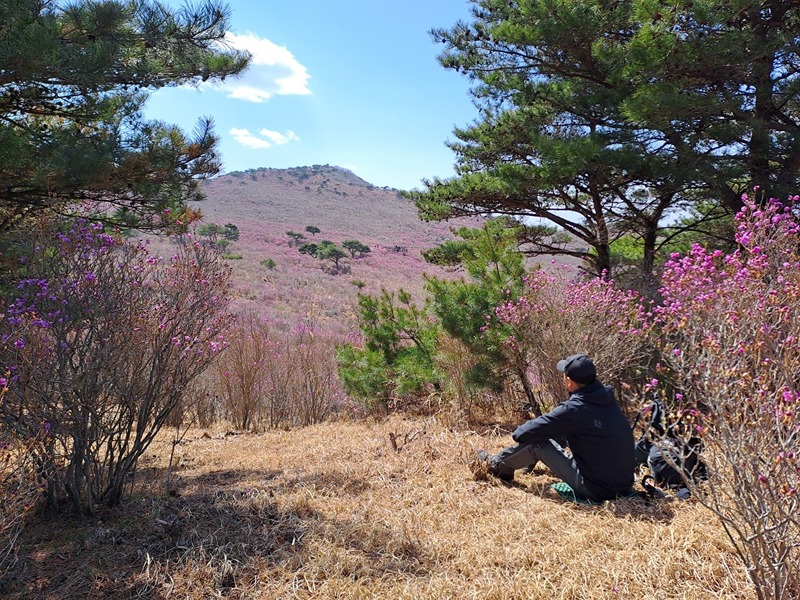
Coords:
320,202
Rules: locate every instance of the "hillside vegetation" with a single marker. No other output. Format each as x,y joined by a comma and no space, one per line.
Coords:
262,478
266,203
229,418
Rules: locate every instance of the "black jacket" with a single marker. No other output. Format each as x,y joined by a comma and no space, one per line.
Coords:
597,433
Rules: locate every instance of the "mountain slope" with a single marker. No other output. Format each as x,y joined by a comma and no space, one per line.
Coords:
266,203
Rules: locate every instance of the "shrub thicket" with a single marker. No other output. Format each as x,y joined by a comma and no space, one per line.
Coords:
729,329
556,316
102,343
722,346
270,377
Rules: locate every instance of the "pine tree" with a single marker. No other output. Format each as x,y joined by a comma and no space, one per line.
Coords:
354,247
608,119
73,81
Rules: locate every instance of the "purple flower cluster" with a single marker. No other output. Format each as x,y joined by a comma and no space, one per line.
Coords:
734,322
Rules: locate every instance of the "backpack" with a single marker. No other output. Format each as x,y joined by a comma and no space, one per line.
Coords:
671,460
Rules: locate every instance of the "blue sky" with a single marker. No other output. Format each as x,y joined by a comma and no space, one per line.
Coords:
352,83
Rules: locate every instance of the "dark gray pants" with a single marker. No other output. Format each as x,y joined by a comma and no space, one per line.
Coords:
508,460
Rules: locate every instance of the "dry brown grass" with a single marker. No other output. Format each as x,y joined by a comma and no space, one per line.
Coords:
335,511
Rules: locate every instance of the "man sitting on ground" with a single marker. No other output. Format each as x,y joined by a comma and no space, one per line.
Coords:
590,423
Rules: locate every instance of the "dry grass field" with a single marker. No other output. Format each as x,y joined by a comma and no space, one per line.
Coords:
370,509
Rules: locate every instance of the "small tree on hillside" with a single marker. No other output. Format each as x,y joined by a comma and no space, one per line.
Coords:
327,250
356,248
312,229
230,232
218,236
310,249
466,307
397,359
295,237
210,231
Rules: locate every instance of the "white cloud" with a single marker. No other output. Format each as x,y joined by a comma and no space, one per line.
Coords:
267,137
279,138
245,138
273,71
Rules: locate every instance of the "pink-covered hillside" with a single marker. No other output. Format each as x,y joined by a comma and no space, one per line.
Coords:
266,203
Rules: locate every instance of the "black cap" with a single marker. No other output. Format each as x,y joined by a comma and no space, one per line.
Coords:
579,368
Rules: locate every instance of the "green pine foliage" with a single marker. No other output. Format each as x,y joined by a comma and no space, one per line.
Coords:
401,351
356,248
327,250
611,120
310,249
210,230
230,232
75,77
295,237
495,267
218,236
365,375
396,360
446,254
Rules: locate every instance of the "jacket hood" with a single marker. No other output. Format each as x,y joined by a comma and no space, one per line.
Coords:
595,393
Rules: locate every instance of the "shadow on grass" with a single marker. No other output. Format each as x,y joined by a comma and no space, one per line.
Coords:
129,551
332,483
221,531
637,507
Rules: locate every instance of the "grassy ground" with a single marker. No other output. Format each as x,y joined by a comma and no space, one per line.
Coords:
368,510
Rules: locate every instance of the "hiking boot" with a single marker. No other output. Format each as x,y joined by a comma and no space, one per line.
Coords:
479,466
484,459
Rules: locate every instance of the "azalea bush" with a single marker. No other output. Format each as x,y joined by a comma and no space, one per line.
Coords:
315,392
271,376
729,331
241,372
20,484
557,316
20,493
102,343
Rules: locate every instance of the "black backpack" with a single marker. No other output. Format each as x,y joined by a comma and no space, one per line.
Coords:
672,459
